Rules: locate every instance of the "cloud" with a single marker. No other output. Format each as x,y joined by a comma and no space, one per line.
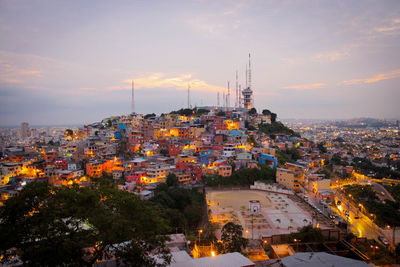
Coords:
24,68
163,80
332,56
305,86
379,77
391,29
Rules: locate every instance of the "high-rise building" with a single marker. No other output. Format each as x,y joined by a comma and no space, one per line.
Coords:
24,130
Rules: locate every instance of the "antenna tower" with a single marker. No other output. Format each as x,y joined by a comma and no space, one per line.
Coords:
249,85
240,95
228,97
246,76
188,95
133,98
236,89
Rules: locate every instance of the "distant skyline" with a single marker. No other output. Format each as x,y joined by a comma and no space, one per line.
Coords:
72,62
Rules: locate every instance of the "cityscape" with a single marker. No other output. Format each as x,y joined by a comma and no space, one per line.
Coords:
205,156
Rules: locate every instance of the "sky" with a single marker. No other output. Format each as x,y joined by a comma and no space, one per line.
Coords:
72,62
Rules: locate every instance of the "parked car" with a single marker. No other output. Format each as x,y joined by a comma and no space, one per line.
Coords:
383,240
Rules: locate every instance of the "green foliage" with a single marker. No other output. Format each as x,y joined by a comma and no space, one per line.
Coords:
232,239
202,111
252,140
184,112
386,213
327,173
164,152
282,157
397,249
321,148
276,128
253,111
394,190
337,160
69,132
365,166
182,208
248,126
274,117
150,115
266,112
53,226
307,234
221,114
172,180
289,155
242,177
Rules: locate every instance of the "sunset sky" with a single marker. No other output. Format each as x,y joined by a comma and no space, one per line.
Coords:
72,62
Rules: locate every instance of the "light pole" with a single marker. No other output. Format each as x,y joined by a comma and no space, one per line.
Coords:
200,231
297,244
374,248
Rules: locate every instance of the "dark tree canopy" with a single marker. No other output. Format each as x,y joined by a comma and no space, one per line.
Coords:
232,238
266,112
73,226
172,180
69,132
150,115
253,111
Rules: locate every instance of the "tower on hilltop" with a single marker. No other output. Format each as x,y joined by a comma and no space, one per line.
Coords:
248,93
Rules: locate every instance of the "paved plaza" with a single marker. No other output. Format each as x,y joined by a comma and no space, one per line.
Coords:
279,214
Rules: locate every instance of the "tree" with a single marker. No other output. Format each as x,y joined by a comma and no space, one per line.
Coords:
253,111
149,116
164,152
221,113
321,148
273,117
397,250
73,226
308,234
69,133
248,126
232,238
266,112
172,180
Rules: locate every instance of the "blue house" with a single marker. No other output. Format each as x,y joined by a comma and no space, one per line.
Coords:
268,160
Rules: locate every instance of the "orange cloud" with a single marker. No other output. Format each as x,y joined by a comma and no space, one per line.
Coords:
379,77
305,86
162,80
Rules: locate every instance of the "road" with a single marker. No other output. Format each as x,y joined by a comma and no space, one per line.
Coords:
382,192
363,226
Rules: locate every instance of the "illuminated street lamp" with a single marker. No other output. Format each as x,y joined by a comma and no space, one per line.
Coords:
200,231
374,248
297,244
246,233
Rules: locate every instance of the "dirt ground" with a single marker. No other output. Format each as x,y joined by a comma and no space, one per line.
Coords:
238,198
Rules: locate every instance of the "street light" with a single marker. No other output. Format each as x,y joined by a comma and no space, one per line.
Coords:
297,244
374,248
246,233
200,231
